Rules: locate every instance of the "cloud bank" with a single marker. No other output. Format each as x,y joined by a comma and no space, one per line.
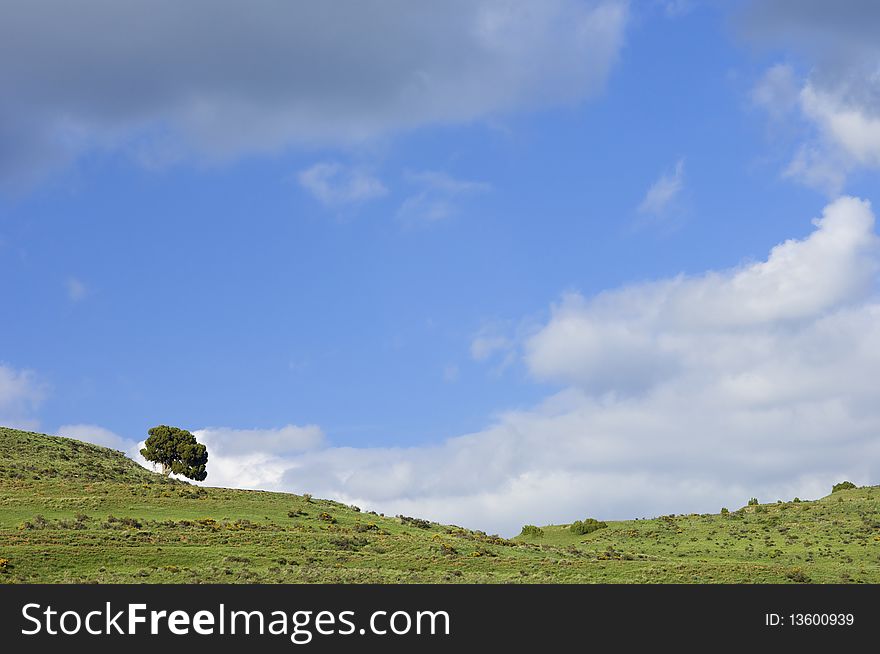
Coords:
214,80
683,394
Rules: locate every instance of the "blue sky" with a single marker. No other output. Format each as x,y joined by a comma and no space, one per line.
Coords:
369,287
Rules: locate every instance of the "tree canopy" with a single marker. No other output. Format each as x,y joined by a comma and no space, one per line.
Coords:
177,451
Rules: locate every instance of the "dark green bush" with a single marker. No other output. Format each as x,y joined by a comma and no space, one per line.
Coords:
360,528
724,510
415,522
587,526
349,543
844,485
753,501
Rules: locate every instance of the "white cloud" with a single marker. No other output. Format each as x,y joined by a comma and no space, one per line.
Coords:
437,197
98,436
664,191
160,81
21,393
843,133
812,165
641,335
846,124
838,102
254,458
777,91
283,440
489,341
685,394
76,290
334,184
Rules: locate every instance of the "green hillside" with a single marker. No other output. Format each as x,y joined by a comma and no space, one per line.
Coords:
75,512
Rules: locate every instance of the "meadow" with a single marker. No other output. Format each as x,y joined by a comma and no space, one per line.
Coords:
73,512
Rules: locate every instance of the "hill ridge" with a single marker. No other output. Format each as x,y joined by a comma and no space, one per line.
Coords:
72,511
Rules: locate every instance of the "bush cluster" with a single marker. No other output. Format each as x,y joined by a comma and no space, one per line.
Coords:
361,528
533,531
844,485
415,522
587,526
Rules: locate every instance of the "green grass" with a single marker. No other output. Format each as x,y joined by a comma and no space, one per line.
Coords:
75,512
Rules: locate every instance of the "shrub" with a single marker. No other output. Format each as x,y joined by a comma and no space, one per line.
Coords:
349,543
724,510
797,500
447,550
236,559
124,522
587,526
360,527
326,517
844,485
798,576
533,531
753,501
415,522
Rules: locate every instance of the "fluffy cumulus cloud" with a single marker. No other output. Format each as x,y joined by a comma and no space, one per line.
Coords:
21,393
214,80
684,394
249,458
839,99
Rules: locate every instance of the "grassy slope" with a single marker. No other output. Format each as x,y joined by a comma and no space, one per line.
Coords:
75,512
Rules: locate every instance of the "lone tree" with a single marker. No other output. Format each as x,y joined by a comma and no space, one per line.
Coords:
177,451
